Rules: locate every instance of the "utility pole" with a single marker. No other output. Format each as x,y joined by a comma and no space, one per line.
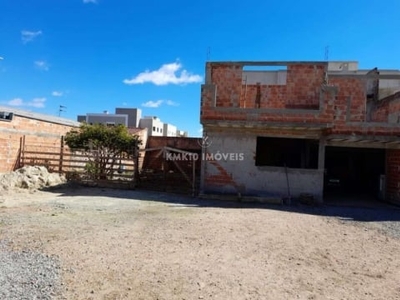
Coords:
208,53
326,53
61,109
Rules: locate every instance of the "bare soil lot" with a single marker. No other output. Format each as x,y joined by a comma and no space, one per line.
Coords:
140,245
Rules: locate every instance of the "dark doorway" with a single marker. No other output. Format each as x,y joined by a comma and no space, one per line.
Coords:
353,174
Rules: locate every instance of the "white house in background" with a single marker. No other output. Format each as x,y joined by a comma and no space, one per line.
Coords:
181,133
132,118
155,127
153,124
169,130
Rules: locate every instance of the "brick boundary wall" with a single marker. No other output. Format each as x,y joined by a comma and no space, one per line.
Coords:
38,130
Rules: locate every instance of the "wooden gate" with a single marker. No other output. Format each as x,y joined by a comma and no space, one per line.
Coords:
171,170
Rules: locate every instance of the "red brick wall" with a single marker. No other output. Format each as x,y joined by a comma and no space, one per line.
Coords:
381,113
385,107
304,85
36,132
393,175
301,91
221,179
229,86
271,96
351,94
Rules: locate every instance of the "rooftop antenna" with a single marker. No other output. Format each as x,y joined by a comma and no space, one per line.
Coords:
61,109
326,53
208,53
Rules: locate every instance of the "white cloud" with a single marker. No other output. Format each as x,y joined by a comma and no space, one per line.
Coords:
166,74
171,103
28,36
57,94
1,57
153,104
158,103
36,102
16,102
42,65
90,1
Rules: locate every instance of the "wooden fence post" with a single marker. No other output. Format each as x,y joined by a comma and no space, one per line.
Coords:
136,166
22,149
60,167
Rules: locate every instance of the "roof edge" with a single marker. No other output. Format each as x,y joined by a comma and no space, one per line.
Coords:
40,117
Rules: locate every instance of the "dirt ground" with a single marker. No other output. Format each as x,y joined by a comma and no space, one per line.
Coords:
141,245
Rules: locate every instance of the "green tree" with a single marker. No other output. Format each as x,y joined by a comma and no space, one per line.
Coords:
104,146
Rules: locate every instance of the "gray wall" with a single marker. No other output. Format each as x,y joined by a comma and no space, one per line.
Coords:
265,77
250,179
104,118
134,115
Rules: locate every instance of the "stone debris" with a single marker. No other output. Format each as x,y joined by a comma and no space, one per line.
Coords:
29,178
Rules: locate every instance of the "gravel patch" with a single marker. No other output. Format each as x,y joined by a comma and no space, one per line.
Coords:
27,274
390,228
384,219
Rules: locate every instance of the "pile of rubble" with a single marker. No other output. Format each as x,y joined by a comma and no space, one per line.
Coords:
29,178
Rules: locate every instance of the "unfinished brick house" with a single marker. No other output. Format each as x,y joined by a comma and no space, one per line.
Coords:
316,128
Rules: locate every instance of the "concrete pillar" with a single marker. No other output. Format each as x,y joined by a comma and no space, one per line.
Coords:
203,162
321,167
321,154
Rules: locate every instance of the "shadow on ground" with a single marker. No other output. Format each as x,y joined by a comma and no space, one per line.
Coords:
382,212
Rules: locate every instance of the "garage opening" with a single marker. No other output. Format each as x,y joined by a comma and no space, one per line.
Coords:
353,175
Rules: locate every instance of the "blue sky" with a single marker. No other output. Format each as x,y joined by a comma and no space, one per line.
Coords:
95,55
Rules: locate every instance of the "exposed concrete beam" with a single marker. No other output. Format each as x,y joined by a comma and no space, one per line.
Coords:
392,143
350,138
268,63
267,132
266,125
355,75
376,145
266,110
372,124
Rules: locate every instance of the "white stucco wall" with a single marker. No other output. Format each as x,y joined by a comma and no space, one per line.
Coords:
250,179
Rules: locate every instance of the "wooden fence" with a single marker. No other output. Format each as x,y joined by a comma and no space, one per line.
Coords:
74,164
151,169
